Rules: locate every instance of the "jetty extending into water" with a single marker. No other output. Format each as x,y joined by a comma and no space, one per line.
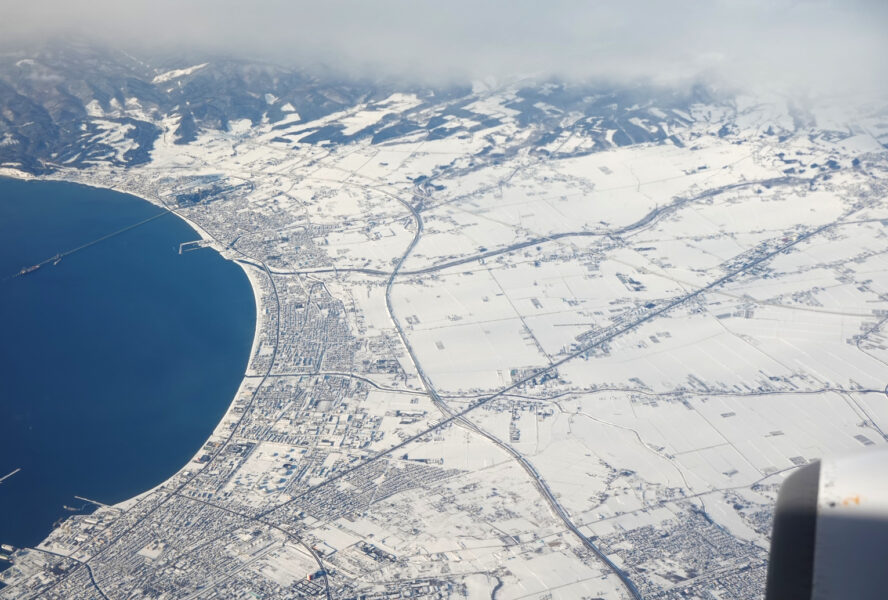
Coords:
58,257
5,477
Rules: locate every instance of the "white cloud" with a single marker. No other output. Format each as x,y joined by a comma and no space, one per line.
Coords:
821,44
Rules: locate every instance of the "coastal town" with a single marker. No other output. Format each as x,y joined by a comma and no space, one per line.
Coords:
496,361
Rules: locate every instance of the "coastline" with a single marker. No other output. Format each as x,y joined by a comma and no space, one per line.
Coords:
11,173
186,469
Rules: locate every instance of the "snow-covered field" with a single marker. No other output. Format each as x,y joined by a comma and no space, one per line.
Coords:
641,342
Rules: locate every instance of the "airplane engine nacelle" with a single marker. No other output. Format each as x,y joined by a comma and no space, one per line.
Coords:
830,535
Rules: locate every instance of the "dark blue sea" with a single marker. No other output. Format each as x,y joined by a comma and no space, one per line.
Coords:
117,362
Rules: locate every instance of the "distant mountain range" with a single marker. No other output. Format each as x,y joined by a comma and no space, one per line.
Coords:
66,105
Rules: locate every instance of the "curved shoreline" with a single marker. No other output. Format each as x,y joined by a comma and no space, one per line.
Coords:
259,322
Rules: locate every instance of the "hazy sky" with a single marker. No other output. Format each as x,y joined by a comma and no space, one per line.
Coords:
830,44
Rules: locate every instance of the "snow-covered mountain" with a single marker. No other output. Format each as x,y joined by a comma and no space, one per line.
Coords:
73,106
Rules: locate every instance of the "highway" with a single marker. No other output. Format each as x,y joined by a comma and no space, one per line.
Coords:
459,417
190,478
603,338
650,218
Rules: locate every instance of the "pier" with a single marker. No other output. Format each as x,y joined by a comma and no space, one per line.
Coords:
5,477
193,245
95,502
58,257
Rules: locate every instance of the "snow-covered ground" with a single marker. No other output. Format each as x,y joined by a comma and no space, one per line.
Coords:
645,340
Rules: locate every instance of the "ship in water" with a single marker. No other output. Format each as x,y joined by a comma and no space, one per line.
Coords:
26,270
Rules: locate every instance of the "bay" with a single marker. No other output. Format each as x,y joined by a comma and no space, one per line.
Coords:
116,362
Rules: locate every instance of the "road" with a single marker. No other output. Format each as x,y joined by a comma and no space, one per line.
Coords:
177,491
458,417
603,338
650,218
